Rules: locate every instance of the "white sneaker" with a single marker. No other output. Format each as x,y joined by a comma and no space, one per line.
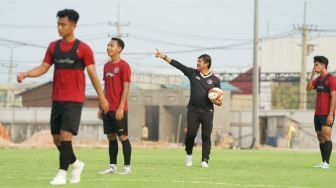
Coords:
325,165
110,170
188,161
77,168
60,178
126,170
319,165
204,164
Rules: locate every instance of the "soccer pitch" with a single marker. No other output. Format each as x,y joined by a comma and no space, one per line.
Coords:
162,168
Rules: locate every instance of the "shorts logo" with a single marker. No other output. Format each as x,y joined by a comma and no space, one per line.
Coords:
116,70
209,81
198,78
109,74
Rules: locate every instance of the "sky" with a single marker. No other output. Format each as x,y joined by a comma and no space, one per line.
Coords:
184,29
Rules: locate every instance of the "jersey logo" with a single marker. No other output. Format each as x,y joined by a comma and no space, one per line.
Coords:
116,70
109,74
198,78
209,81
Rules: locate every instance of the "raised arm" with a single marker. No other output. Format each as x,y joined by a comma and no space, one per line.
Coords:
310,85
103,104
186,70
35,72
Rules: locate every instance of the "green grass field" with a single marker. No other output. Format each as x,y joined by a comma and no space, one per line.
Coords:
162,168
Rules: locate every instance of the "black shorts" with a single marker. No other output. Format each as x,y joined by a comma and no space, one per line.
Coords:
65,116
111,125
321,120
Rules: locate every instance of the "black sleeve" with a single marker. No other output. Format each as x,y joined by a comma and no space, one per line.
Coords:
186,70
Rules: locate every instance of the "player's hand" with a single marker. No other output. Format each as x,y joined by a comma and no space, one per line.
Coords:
103,104
217,102
21,76
100,114
159,54
119,114
330,119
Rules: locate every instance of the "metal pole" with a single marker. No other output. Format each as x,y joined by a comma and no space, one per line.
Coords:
255,110
303,76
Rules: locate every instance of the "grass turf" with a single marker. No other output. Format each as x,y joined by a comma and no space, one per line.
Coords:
162,168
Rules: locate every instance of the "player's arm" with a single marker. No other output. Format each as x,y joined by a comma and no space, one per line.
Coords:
311,84
35,72
103,104
124,95
176,64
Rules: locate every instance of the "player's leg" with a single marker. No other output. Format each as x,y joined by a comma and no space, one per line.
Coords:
122,131
326,132
192,128
55,123
110,131
318,130
70,125
55,126
207,124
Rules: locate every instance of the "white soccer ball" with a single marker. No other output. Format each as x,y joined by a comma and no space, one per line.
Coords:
215,94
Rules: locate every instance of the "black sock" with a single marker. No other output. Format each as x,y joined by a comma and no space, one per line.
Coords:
322,151
113,151
58,147
66,155
327,149
127,150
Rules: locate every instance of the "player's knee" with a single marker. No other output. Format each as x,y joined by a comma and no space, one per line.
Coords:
111,137
122,137
205,138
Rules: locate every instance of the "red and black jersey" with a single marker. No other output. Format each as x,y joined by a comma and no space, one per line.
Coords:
324,85
115,75
69,59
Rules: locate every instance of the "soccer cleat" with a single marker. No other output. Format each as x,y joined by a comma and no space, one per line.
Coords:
126,170
204,164
325,165
77,169
188,161
319,165
60,178
110,170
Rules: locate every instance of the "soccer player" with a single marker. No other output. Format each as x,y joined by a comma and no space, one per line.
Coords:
325,85
117,77
70,57
200,108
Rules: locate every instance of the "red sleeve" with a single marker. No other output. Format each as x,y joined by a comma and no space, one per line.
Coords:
126,73
48,58
332,83
85,53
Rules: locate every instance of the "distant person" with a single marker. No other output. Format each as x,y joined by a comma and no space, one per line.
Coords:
144,133
70,57
200,108
325,85
117,77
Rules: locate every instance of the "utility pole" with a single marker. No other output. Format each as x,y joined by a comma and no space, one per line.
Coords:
255,110
10,85
306,48
119,25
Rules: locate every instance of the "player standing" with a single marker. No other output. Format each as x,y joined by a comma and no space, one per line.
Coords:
325,85
70,57
200,108
117,77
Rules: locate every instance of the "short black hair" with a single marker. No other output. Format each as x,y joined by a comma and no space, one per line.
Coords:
70,13
120,42
321,59
206,58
